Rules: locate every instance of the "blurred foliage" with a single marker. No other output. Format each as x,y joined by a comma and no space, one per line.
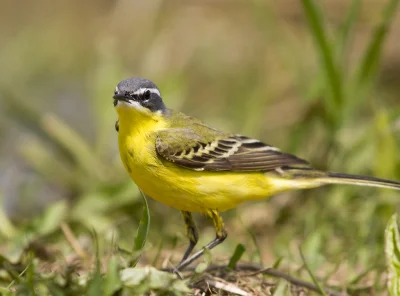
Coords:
392,250
316,78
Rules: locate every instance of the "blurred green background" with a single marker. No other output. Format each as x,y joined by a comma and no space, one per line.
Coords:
322,84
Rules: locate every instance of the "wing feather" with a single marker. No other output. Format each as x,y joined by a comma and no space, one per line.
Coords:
211,150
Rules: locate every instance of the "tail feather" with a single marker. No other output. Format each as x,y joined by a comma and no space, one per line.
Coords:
340,178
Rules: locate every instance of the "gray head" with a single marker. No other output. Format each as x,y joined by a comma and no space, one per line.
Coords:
139,93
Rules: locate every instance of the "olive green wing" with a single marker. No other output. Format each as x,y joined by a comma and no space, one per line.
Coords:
203,148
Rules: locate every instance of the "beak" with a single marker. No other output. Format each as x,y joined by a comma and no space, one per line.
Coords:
120,97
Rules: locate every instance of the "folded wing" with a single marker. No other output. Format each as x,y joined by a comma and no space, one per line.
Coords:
211,150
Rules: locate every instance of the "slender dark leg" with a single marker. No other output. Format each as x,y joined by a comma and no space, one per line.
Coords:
221,235
191,232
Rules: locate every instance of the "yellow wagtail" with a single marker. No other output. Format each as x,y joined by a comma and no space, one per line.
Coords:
187,165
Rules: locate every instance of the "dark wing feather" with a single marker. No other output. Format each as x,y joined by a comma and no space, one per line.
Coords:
216,151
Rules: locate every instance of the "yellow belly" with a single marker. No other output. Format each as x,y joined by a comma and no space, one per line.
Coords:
196,192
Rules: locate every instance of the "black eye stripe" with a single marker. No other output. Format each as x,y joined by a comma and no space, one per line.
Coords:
144,96
139,97
132,95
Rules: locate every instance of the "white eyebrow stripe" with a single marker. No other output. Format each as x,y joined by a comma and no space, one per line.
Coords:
141,91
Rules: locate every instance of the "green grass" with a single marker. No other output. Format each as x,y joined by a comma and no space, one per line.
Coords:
310,81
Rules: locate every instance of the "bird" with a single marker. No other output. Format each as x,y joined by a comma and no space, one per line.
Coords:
183,163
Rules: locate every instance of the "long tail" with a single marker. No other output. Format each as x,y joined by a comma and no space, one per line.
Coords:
314,178
340,178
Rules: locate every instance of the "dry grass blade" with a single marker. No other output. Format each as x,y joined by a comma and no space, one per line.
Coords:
225,286
72,240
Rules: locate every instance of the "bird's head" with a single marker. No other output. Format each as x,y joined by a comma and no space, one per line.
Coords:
138,96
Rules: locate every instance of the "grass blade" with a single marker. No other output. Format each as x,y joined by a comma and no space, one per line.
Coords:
96,281
345,33
142,232
370,61
7,229
314,279
112,282
239,251
392,252
277,262
315,20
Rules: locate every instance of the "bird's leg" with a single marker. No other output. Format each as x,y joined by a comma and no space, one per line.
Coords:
191,232
221,235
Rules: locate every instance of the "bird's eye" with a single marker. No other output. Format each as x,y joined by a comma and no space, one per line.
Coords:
146,95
